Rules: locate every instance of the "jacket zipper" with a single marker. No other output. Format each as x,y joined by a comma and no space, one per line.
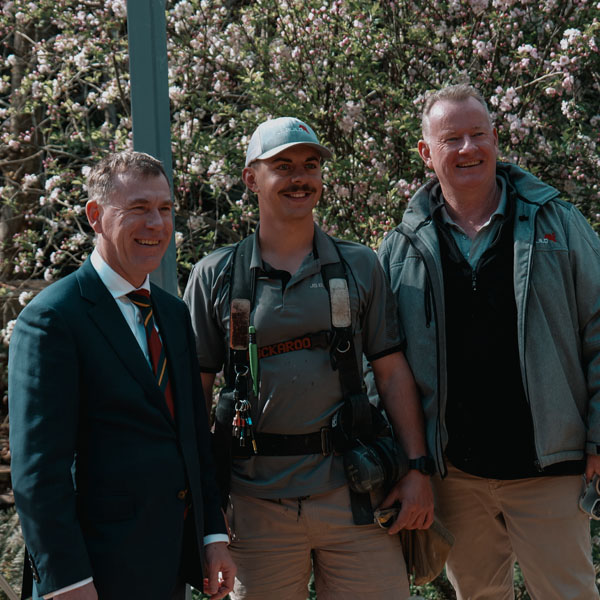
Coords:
428,300
536,462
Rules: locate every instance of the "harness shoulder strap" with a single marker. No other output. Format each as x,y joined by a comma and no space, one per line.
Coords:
343,357
241,277
343,353
241,285
335,279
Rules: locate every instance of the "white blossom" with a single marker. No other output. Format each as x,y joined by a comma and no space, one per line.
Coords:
25,297
30,180
569,37
80,60
6,333
118,7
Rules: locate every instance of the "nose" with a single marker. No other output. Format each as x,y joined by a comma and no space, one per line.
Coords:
297,174
154,219
467,144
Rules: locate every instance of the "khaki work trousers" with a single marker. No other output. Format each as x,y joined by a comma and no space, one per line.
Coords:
536,521
274,540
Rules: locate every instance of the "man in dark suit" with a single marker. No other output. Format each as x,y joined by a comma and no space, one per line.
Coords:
111,465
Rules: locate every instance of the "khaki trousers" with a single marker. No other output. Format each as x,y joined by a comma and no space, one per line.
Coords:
274,541
536,521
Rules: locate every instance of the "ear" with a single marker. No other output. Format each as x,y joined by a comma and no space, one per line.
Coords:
94,211
249,178
425,153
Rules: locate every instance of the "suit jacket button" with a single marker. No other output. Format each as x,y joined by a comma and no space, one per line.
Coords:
182,494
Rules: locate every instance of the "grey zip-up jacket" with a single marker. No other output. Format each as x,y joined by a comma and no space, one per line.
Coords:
557,292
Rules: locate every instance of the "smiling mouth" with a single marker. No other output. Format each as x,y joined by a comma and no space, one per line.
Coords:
473,163
148,242
298,192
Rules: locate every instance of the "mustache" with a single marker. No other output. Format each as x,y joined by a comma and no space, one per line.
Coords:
299,188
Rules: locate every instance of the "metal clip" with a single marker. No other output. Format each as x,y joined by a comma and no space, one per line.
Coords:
326,441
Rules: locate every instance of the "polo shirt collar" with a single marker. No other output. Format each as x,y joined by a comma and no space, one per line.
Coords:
256,262
325,250
325,246
500,212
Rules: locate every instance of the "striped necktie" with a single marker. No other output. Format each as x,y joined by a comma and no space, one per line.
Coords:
141,298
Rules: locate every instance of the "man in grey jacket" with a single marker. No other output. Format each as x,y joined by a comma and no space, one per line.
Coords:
498,285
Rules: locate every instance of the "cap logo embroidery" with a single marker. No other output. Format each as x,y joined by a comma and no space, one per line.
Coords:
302,127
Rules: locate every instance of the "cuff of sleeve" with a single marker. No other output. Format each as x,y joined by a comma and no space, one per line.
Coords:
73,586
216,537
392,350
592,448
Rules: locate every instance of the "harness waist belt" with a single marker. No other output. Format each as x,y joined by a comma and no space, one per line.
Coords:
304,342
275,444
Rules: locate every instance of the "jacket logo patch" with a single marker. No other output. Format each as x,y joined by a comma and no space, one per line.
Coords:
548,237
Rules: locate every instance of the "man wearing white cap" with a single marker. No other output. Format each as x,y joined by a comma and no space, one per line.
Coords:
313,306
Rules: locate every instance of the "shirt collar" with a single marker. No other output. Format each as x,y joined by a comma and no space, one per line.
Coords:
498,213
116,285
321,249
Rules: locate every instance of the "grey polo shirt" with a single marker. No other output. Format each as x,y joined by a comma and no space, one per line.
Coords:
299,391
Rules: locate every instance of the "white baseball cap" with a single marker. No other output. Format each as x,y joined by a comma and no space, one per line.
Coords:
276,135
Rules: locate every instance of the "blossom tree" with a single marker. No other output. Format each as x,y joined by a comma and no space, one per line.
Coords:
356,70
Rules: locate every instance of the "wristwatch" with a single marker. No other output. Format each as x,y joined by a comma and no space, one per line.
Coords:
424,464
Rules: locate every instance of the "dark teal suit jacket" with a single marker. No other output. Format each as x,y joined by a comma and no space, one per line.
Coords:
98,463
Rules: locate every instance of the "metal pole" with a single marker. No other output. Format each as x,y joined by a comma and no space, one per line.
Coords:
150,112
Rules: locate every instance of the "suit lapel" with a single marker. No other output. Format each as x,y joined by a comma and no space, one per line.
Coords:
107,316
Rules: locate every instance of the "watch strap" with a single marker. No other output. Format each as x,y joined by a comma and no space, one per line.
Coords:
424,464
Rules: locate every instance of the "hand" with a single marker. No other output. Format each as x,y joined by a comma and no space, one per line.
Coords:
85,592
220,569
592,467
415,495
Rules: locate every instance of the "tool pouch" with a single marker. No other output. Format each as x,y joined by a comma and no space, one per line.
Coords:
221,442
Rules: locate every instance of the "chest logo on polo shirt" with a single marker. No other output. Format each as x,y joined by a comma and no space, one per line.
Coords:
316,285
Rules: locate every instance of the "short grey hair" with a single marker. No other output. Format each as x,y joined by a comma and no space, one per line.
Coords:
454,93
102,177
